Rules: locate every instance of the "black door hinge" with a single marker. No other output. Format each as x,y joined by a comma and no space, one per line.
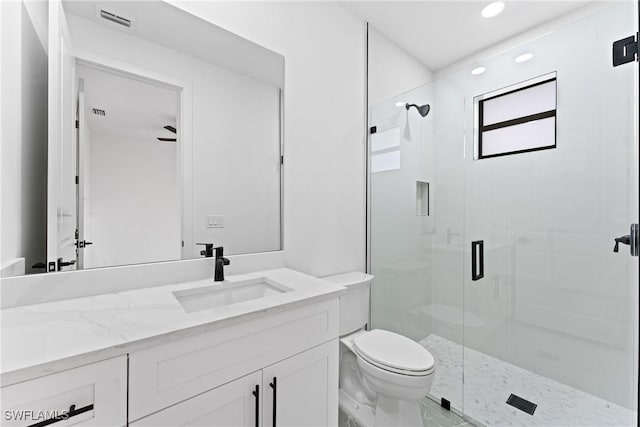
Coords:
373,129
77,179
625,50
282,160
77,124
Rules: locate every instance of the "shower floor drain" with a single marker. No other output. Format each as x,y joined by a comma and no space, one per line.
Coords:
523,404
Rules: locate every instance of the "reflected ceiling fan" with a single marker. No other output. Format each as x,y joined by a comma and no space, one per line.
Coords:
170,129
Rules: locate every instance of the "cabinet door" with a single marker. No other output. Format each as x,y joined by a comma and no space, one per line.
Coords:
235,404
303,390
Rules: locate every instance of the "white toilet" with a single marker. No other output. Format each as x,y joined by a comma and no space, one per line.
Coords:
382,374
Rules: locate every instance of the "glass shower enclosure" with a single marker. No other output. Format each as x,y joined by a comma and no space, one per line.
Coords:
492,227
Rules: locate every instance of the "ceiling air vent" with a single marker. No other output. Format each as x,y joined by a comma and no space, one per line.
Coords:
115,18
98,112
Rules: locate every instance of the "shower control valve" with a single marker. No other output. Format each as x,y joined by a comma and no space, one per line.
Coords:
625,240
631,239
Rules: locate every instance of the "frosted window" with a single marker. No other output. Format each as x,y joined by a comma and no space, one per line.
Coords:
523,137
385,161
385,139
517,119
522,103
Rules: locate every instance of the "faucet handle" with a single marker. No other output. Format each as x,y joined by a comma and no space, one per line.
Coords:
220,255
208,249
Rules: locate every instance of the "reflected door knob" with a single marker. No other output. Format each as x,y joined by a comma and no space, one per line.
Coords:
83,243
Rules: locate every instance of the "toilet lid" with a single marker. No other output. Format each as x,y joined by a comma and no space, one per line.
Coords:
395,351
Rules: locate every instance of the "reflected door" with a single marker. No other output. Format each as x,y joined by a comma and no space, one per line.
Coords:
81,168
61,184
551,179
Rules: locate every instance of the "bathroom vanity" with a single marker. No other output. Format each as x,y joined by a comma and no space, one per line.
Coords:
261,349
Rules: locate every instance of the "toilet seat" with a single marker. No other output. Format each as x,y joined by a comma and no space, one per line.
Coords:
394,353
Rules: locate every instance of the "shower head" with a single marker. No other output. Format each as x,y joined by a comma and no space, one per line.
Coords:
423,110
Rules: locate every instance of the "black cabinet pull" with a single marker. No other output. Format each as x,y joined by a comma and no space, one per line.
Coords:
256,393
64,416
477,260
274,386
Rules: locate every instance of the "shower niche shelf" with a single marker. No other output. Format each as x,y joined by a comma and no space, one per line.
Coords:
422,198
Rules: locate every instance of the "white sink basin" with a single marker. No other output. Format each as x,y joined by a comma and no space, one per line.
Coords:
212,296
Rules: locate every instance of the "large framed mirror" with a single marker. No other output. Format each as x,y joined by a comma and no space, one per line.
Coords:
163,132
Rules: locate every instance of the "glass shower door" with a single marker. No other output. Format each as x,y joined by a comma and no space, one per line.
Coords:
416,231
550,311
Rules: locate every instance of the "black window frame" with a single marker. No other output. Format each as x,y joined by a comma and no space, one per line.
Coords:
517,121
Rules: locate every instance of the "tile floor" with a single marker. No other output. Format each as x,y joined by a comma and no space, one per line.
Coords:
489,381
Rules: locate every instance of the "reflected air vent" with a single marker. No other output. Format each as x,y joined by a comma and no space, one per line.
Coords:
115,18
99,112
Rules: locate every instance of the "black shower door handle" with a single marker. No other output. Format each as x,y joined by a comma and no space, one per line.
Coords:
477,260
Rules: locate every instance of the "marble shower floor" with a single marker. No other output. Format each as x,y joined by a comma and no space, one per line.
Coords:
489,381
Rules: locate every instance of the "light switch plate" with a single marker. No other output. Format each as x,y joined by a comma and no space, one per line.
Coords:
215,221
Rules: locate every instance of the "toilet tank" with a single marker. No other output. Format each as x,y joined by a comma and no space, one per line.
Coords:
354,305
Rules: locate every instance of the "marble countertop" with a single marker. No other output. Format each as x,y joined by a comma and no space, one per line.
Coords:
42,339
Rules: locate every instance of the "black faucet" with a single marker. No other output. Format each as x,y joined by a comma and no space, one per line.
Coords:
221,261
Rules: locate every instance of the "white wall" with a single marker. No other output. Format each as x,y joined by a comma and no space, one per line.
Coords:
392,70
24,132
132,216
323,45
235,157
236,166
10,147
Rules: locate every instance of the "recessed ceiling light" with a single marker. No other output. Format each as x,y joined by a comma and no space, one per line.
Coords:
524,57
478,70
492,9
400,104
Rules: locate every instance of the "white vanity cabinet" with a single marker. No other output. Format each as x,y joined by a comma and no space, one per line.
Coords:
299,391
210,378
90,395
250,363
302,390
231,405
